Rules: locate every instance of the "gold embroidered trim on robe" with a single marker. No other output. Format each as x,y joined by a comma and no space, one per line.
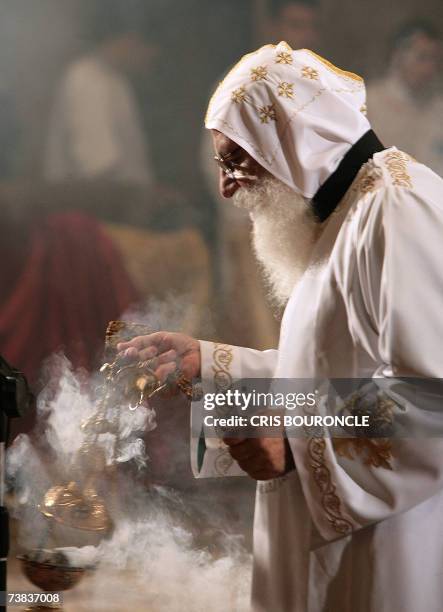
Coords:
330,501
222,358
375,451
370,178
396,164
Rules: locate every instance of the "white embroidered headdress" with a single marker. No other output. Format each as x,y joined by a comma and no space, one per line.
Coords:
293,111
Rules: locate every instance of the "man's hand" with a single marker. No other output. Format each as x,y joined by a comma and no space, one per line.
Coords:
170,352
262,458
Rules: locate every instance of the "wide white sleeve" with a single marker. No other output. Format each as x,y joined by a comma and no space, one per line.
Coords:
222,365
90,122
393,293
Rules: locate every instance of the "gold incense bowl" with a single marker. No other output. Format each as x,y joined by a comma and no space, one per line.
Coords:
50,576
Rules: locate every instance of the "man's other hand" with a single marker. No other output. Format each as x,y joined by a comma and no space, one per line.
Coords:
262,458
170,352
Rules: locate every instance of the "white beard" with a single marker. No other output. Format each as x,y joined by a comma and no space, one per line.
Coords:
285,231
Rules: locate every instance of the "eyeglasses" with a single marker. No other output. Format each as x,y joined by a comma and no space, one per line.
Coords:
225,162
233,169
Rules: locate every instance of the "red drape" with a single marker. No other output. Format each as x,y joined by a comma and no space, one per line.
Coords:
59,290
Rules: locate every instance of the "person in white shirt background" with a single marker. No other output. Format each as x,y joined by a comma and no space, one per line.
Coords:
95,128
406,105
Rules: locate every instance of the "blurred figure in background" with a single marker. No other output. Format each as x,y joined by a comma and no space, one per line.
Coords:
95,129
97,141
406,106
254,319
295,21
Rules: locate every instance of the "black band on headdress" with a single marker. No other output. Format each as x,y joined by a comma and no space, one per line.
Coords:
334,188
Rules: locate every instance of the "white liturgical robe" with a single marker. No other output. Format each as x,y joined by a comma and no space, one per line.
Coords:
340,533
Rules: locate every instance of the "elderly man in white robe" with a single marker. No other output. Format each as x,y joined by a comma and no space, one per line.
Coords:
348,235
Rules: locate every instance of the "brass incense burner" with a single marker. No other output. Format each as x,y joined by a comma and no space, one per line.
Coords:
77,503
80,502
77,508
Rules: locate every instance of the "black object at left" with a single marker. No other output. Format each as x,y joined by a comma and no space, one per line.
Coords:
15,396
15,399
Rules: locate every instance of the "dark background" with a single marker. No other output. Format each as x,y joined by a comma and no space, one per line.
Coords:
199,39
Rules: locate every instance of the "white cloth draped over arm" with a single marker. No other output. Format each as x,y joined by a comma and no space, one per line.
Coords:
391,281
223,364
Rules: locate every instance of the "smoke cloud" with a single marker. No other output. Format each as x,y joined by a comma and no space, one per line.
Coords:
167,550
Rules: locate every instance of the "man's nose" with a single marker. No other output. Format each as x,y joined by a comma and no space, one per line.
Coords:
227,185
